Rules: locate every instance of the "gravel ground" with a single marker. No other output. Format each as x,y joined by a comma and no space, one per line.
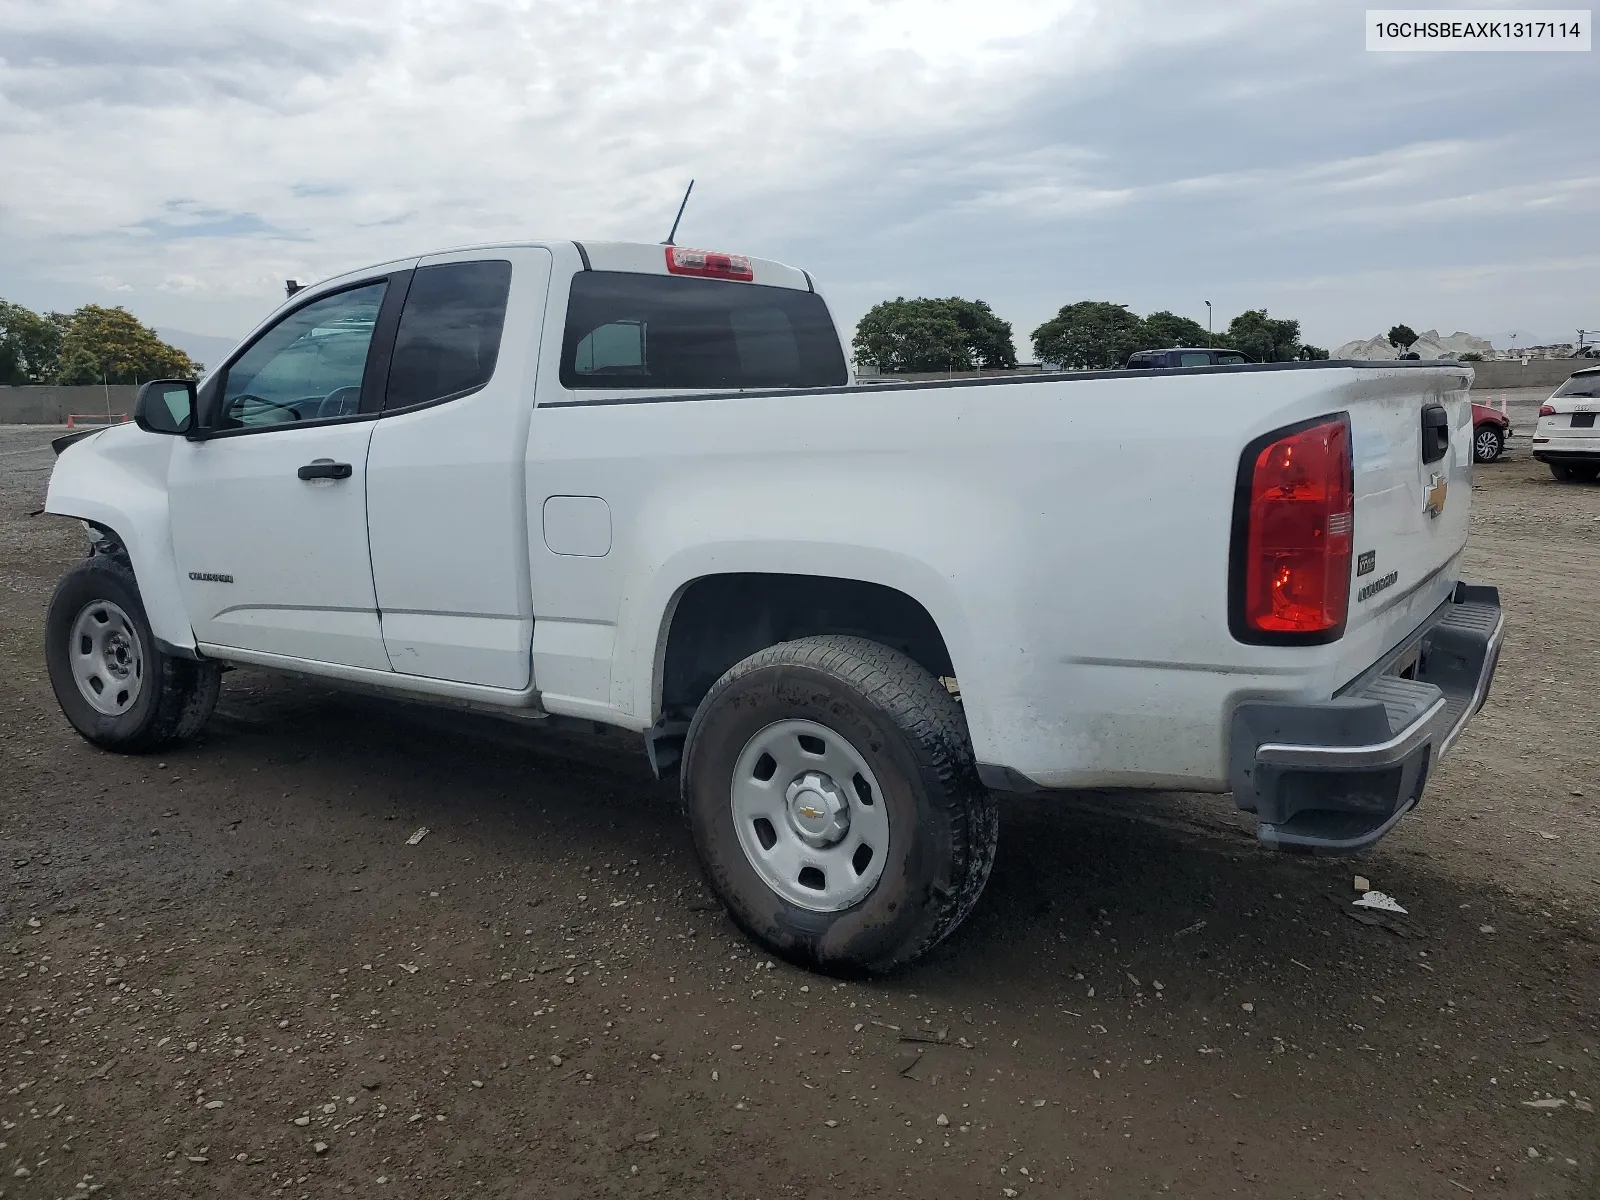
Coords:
235,970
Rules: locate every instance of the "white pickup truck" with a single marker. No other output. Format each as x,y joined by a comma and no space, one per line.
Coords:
635,485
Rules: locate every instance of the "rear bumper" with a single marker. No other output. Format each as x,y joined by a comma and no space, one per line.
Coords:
1586,454
1336,776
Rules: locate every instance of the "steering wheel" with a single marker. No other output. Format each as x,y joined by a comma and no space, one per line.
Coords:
341,402
242,397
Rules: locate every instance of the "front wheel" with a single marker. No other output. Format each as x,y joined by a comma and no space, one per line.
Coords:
114,685
1487,444
835,806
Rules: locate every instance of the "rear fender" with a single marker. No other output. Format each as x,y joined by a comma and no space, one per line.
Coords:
118,480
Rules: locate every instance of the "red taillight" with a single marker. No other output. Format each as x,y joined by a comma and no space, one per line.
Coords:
1301,523
709,264
1547,410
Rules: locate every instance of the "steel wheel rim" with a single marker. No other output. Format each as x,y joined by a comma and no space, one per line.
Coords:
107,658
788,782
1488,445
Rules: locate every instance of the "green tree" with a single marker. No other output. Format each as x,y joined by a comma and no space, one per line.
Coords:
1401,336
951,334
988,338
111,344
1264,339
1312,353
1164,329
29,344
1091,334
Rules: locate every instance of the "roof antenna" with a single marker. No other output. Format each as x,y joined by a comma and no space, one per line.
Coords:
679,217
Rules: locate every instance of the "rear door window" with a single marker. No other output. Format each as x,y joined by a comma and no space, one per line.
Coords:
659,331
449,336
1194,358
1231,360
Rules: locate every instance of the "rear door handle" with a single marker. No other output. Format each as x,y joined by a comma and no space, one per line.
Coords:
325,468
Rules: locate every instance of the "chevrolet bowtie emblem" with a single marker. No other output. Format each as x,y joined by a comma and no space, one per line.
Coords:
810,813
1438,489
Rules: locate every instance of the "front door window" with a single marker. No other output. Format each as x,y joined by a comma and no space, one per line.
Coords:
307,367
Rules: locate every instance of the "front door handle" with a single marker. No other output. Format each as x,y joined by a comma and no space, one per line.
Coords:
325,468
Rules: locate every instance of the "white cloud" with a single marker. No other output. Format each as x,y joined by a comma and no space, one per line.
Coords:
361,135
189,155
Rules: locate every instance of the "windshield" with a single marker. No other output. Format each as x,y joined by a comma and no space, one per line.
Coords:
1581,385
660,331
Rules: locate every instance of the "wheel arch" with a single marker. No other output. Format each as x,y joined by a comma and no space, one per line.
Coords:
117,481
884,595
718,620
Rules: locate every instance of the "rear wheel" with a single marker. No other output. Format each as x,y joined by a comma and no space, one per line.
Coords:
1487,443
835,806
116,688
1576,472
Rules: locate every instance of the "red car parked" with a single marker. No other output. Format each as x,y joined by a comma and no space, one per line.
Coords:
1490,429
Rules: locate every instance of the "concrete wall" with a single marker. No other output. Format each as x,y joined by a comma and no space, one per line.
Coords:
52,405
1539,372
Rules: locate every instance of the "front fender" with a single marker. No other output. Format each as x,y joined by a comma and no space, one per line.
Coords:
118,479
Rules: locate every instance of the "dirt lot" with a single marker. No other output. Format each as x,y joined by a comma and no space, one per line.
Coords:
226,972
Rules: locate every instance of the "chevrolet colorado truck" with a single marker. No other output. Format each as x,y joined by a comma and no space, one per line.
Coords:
635,486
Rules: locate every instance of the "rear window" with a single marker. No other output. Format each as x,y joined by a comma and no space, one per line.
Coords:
1581,385
661,331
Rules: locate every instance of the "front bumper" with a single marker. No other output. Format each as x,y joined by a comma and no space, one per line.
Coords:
1336,776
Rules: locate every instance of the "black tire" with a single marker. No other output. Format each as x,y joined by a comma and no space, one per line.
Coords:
176,695
1575,472
1488,443
943,822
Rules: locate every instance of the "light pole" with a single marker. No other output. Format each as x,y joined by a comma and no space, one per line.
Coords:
1208,323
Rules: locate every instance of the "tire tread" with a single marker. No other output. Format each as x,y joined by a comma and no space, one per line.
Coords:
186,691
930,717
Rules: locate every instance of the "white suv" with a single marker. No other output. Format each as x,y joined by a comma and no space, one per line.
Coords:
1566,437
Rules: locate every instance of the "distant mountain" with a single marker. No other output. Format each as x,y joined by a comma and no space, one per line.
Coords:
201,347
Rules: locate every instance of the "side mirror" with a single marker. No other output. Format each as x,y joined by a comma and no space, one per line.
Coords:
166,406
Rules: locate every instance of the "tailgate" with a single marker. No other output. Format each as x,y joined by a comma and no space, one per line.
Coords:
1411,452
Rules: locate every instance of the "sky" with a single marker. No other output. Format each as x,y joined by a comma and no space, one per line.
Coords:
182,158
